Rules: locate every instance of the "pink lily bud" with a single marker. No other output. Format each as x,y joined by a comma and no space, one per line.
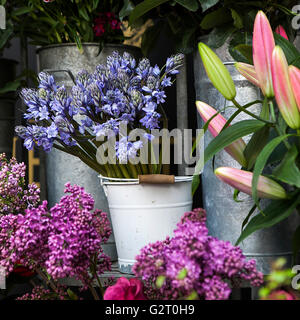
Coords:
263,45
248,71
236,149
294,73
280,30
283,89
242,180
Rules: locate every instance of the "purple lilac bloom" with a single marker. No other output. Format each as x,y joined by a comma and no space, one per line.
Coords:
120,90
192,263
63,240
15,195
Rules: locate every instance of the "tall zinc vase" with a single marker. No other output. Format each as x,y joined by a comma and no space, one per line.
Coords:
64,62
224,215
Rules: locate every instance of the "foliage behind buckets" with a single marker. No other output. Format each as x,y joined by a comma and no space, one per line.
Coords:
143,213
7,107
64,62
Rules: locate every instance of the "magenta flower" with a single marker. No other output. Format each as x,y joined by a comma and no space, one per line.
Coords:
280,30
126,289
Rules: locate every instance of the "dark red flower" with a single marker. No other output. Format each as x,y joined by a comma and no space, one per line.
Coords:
23,271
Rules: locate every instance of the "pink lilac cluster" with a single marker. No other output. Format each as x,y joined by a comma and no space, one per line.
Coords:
106,20
15,195
65,241
41,293
194,264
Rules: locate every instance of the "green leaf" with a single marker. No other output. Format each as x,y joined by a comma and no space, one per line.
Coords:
290,51
249,216
236,196
246,51
10,87
262,160
207,4
71,294
195,183
20,11
126,10
83,13
143,8
237,19
230,135
150,36
191,5
160,280
276,212
182,274
216,18
288,171
256,145
219,35
296,243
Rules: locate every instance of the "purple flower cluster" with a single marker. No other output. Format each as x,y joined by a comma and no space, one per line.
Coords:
120,91
15,195
41,293
65,241
193,264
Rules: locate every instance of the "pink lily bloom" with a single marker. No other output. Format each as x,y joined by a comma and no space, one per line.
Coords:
280,30
263,46
242,180
283,89
236,149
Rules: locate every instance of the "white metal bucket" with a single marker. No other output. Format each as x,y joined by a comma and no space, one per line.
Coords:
144,213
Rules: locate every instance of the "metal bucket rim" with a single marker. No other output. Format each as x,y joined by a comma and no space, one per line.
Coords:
84,44
122,181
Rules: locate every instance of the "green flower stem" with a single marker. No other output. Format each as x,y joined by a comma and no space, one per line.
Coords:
133,170
272,111
124,171
250,113
280,133
145,169
94,292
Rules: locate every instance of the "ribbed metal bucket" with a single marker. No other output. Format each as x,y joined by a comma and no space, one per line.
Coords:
224,215
65,61
144,213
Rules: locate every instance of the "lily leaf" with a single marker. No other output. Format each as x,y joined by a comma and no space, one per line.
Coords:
288,171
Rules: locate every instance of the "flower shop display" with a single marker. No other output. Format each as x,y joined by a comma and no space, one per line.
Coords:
270,167
64,241
193,265
120,92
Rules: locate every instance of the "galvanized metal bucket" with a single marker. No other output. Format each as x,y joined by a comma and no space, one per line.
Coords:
224,215
65,61
144,213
